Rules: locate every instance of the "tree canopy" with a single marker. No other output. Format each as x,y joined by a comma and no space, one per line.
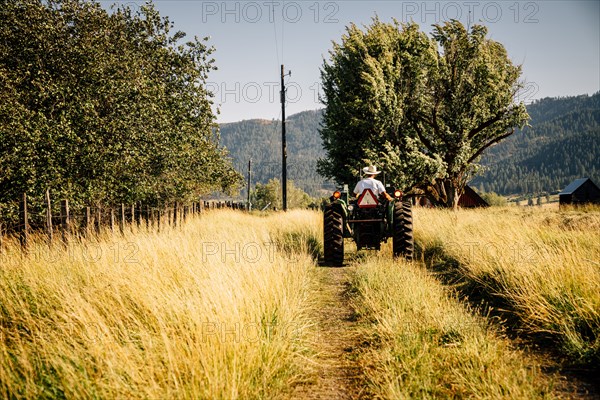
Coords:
105,106
422,108
269,195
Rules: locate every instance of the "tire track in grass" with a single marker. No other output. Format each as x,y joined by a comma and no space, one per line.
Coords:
572,381
337,374
425,343
389,329
536,265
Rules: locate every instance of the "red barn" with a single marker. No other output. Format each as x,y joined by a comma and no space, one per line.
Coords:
469,199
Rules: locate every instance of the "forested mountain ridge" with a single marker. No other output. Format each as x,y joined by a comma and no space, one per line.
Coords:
261,140
561,144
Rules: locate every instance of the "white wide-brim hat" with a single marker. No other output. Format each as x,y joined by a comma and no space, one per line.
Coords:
371,170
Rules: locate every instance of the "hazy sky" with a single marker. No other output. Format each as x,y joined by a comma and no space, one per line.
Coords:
557,42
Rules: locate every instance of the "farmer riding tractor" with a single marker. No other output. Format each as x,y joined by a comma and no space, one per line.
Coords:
369,221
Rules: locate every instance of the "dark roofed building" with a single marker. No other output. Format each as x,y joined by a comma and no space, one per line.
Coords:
580,191
469,199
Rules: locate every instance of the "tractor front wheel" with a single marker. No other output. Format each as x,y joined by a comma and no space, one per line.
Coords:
333,236
403,241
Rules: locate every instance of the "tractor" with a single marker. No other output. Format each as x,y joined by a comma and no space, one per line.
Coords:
369,221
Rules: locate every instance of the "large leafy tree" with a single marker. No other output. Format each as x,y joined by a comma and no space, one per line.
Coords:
423,108
104,106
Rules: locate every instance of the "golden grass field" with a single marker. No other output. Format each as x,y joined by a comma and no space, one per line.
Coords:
544,265
215,309
226,306
425,344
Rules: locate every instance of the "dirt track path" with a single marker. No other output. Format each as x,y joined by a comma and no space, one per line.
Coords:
338,373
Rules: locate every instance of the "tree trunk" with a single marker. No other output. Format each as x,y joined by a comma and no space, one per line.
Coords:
454,194
446,192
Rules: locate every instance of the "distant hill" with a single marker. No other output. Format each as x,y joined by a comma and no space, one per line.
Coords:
261,140
562,144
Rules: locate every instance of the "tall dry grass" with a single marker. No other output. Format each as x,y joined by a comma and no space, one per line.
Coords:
424,343
217,308
544,266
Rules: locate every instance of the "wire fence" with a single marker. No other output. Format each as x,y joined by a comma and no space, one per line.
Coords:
57,219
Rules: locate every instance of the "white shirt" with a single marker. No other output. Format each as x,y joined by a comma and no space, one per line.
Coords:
369,183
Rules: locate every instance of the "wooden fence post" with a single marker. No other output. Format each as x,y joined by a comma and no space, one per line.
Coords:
138,214
147,216
87,216
65,220
175,213
49,216
24,222
98,219
112,220
158,219
1,234
122,219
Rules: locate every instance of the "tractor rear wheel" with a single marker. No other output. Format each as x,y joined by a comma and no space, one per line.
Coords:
403,242
333,236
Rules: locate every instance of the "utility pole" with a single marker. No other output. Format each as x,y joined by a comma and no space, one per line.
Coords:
283,144
249,174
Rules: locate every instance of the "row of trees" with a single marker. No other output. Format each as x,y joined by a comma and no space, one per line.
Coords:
268,195
422,108
105,107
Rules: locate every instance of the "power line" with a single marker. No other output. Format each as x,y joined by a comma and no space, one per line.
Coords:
275,31
282,26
